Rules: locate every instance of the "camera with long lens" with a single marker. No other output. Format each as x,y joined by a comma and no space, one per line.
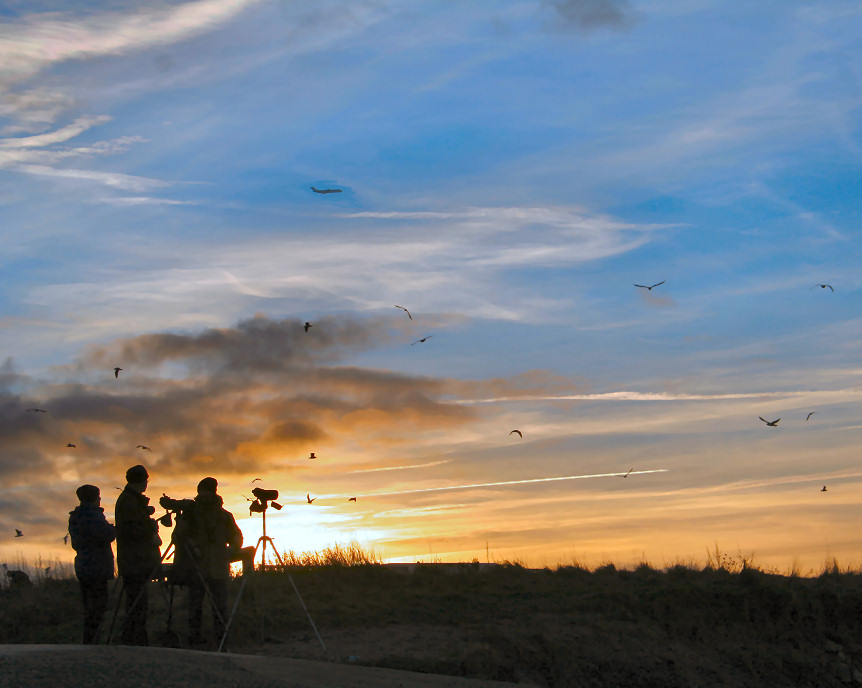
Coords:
174,506
263,500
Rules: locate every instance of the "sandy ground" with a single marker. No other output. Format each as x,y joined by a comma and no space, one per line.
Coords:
82,666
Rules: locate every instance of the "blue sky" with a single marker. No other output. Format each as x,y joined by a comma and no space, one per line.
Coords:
510,170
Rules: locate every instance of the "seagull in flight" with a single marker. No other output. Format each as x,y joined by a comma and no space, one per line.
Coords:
520,434
312,456
117,372
37,410
69,444
405,310
66,539
643,286
326,191
256,479
18,533
424,339
824,489
770,423
309,498
144,447
627,474
351,499
307,326
810,414
823,286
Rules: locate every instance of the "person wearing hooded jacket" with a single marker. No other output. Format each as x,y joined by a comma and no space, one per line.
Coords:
138,555
92,536
207,538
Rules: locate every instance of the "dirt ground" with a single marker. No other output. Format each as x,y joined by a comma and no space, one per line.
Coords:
80,666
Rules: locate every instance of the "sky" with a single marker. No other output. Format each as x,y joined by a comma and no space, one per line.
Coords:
508,170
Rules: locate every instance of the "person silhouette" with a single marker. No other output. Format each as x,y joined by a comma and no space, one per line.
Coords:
207,539
138,555
92,536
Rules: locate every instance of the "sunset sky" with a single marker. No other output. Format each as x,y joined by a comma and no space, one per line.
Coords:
510,169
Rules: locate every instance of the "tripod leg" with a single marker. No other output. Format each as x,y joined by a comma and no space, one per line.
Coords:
116,609
296,590
138,596
238,598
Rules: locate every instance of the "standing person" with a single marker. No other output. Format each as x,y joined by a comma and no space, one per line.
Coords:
209,537
92,536
137,552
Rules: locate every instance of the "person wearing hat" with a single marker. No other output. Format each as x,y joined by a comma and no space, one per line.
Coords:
138,555
92,536
209,537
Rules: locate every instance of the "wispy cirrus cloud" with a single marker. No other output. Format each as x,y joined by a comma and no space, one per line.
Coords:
126,182
37,41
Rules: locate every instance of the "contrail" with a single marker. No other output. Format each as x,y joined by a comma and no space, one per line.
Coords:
505,482
400,468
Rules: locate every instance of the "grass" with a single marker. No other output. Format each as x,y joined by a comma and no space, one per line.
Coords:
726,623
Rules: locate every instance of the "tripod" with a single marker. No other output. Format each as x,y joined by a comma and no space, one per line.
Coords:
261,506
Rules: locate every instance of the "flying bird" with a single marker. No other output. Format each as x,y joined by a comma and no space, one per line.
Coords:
310,498
144,447
312,456
66,539
18,533
256,479
520,434
810,414
69,444
424,339
405,310
37,410
627,474
117,372
770,423
643,286
351,499
823,286
325,191
307,326
824,489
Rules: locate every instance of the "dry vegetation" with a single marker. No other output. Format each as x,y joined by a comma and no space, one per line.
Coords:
726,624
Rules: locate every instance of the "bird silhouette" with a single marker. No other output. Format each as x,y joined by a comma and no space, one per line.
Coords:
643,286
405,310
18,533
351,499
117,372
810,414
144,447
824,489
37,410
627,474
307,326
312,456
69,444
520,434
424,339
770,423
325,191
824,286
310,498
256,479
66,539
